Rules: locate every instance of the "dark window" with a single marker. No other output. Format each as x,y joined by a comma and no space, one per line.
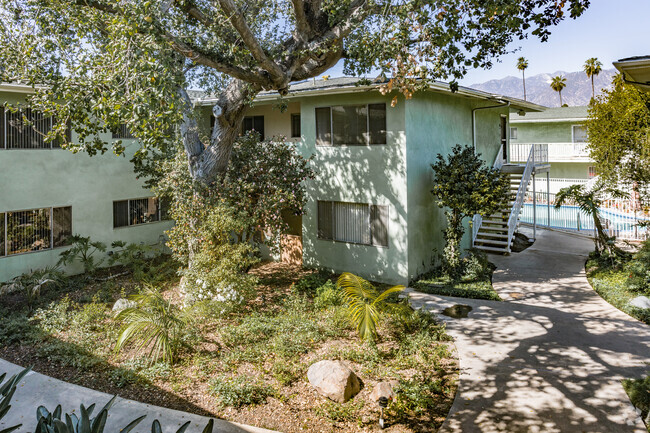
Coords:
504,137
61,225
3,245
323,126
351,125
295,125
358,223
122,132
253,123
138,211
513,133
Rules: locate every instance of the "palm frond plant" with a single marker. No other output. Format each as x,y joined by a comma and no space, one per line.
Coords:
7,390
153,324
589,201
366,305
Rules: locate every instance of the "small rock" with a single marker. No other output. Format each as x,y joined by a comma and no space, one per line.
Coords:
383,389
123,304
334,380
641,302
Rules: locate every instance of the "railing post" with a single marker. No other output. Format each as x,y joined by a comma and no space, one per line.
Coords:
548,199
534,199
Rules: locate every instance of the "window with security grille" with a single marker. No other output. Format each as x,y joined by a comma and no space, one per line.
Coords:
351,125
31,230
357,223
122,132
138,211
27,129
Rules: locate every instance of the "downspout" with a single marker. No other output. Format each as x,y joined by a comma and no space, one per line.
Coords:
474,110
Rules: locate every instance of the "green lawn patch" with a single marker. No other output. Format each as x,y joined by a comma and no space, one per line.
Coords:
612,282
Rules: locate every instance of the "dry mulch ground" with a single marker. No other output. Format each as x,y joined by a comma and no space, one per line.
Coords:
75,343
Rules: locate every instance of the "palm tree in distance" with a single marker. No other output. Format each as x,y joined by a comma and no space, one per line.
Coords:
593,67
558,84
522,65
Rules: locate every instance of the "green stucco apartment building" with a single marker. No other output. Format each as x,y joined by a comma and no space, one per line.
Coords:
369,210
47,194
563,130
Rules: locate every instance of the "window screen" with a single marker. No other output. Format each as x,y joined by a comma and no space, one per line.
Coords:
351,125
120,213
253,123
579,134
61,225
138,211
357,223
295,126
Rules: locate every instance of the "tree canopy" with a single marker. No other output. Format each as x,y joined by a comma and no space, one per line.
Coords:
618,128
106,62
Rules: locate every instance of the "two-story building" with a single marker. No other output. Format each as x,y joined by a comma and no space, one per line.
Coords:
563,130
370,209
47,193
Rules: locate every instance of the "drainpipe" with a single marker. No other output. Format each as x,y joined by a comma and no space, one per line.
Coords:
474,110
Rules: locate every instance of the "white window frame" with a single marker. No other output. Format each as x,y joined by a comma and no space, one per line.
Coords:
516,134
573,138
369,223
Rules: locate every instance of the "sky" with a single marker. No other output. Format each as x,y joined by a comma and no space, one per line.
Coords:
609,30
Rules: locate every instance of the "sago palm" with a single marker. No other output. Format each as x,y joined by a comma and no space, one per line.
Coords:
365,304
153,324
522,65
592,68
558,84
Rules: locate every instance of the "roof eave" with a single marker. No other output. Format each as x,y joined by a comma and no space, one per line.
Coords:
637,69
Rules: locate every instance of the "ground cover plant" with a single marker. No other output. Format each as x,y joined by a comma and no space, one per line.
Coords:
475,280
246,364
622,278
639,392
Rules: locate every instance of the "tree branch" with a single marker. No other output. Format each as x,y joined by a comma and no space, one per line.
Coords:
239,23
302,25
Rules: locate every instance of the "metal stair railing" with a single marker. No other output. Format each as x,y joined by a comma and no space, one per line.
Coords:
521,193
477,219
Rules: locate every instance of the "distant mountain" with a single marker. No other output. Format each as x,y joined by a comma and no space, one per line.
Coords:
538,87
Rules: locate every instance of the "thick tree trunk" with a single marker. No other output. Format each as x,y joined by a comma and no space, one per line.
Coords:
208,162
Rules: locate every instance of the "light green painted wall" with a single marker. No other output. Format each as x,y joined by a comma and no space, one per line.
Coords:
570,170
362,174
32,179
435,123
543,132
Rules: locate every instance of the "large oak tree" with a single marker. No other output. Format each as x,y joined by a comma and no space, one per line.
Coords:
131,61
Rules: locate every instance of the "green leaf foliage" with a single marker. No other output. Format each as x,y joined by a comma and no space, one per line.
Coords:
85,251
365,304
618,127
7,390
465,186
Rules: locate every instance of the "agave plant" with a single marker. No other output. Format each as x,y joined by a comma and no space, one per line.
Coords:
153,323
365,304
6,393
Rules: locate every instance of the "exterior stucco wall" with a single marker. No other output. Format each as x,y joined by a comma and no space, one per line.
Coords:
434,124
362,174
543,132
42,178
570,170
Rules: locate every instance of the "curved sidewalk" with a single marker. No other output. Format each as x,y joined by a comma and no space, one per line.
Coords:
549,358
36,389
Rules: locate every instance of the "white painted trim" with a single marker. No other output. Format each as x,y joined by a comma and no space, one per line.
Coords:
558,120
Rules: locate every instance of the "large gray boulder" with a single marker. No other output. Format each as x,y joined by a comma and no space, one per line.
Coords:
640,302
334,380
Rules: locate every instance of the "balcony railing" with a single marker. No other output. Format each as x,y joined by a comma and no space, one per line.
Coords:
557,152
520,153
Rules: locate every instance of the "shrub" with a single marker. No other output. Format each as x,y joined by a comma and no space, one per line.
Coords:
639,269
7,391
239,391
154,324
308,284
54,318
416,396
639,392
32,284
137,258
328,295
84,251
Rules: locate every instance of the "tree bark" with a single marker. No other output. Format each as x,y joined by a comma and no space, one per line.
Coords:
208,162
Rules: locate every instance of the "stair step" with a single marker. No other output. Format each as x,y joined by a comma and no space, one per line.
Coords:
501,223
493,235
496,229
491,249
491,242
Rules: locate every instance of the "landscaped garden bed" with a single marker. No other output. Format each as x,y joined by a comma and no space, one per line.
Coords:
475,282
246,364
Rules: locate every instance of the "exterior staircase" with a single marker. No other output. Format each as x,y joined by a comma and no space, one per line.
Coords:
495,233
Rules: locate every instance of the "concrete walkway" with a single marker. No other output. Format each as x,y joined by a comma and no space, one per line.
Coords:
36,389
549,358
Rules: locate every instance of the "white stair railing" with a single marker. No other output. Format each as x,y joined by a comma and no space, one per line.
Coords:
477,220
521,193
